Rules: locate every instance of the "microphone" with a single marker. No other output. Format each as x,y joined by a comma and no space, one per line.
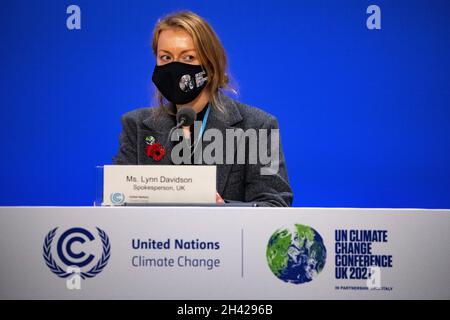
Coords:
185,117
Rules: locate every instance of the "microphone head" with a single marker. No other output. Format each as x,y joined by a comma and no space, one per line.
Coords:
186,115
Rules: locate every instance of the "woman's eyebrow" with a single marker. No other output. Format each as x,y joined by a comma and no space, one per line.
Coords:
184,51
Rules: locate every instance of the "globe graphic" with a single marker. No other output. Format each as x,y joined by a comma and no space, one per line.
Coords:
296,254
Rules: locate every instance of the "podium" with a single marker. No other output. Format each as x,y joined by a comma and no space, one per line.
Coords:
223,253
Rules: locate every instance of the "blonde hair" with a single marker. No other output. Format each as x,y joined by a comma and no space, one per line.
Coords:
209,48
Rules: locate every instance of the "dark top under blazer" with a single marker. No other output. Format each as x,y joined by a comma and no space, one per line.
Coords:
238,182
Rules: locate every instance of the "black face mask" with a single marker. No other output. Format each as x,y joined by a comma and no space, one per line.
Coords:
180,83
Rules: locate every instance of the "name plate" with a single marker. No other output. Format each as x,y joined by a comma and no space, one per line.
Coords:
158,184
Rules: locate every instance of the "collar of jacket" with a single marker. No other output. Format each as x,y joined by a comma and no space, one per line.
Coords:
162,122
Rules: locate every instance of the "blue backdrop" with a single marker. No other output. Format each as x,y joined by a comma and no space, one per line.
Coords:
364,114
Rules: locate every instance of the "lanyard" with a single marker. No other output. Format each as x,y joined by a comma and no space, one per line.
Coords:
202,129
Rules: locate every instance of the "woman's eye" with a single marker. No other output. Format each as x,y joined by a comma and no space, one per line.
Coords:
165,58
189,58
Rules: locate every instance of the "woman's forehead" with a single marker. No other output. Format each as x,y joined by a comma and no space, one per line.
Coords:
175,40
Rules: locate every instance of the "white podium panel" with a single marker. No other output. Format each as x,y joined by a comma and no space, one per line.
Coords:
223,253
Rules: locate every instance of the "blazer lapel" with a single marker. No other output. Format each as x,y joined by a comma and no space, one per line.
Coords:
160,123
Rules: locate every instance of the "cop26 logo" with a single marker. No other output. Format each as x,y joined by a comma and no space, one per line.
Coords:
70,246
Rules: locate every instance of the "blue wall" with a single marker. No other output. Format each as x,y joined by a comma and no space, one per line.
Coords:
364,113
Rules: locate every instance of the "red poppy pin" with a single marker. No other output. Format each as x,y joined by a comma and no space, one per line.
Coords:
154,149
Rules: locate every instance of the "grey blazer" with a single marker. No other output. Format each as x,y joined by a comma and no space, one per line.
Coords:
236,182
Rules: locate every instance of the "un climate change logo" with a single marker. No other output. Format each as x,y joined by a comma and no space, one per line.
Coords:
69,250
296,254
117,198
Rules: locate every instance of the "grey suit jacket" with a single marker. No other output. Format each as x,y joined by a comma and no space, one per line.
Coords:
238,182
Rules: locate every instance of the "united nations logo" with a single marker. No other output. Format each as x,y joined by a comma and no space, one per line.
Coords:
117,198
70,254
296,254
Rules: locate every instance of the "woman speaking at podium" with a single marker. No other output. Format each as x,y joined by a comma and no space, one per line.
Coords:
190,77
